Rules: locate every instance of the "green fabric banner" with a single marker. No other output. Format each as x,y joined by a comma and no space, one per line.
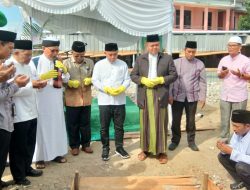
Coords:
131,122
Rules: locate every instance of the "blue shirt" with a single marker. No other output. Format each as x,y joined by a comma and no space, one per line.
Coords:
241,148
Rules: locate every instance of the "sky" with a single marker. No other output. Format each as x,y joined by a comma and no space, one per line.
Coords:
14,18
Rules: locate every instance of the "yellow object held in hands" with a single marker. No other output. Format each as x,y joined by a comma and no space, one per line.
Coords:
147,82
158,80
49,75
73,83
107,89
60,65
87,81
117,91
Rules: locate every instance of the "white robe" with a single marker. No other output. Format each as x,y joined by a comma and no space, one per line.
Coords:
51,138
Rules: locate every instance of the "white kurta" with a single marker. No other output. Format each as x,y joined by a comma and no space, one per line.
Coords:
51,138
111,75
25,98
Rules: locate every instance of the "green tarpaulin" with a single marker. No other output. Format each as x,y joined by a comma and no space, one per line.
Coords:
131,121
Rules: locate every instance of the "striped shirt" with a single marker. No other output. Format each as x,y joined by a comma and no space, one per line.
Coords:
241,148
191,82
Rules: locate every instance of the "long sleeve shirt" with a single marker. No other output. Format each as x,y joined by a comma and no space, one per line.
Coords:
191,82
108,74
234,89
45,65
81,96
7,90
241,148
25,98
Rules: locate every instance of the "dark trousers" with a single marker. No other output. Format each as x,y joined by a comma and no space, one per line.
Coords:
240,171
177,110
78,126
22,147
4,149
117,113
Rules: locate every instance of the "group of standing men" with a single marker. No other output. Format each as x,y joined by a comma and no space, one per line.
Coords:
35,105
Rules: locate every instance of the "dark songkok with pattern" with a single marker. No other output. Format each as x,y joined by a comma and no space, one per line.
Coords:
78,46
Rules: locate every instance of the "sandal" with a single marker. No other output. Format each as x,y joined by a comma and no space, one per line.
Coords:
142,156
60,159
163,158
40,165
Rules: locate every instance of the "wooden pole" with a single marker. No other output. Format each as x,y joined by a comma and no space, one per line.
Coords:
205,182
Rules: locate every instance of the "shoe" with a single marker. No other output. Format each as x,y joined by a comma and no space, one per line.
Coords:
237,185
194,147
87,150
122,152
6,183
105,154
34,173
24,182
75,151
163,158
172,146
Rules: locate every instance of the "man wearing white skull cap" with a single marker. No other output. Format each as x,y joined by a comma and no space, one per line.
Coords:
234,71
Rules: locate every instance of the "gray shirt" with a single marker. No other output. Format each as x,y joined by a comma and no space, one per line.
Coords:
191,82
7,90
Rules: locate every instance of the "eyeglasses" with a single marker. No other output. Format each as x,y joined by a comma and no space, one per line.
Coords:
232,45
53,50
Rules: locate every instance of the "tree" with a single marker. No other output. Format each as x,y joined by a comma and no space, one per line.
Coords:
244,21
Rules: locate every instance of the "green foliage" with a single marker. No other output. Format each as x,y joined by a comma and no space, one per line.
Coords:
244,21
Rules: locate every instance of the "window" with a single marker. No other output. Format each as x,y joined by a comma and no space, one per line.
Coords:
209,22
187,19
177,19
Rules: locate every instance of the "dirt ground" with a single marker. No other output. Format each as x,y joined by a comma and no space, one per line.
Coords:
182,161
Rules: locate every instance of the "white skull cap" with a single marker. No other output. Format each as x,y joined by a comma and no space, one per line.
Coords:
235,39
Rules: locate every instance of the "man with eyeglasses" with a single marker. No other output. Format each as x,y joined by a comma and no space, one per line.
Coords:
51,127
78,99
234,71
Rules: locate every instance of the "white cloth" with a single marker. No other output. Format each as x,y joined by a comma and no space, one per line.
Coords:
101,17
111,75
152,70
25,98
51,129
241,148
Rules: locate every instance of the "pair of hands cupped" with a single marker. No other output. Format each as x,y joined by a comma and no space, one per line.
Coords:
76,83
151,83
6,72
226,72
22,80
114,91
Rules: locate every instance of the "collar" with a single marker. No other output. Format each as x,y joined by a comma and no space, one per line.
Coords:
235,57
